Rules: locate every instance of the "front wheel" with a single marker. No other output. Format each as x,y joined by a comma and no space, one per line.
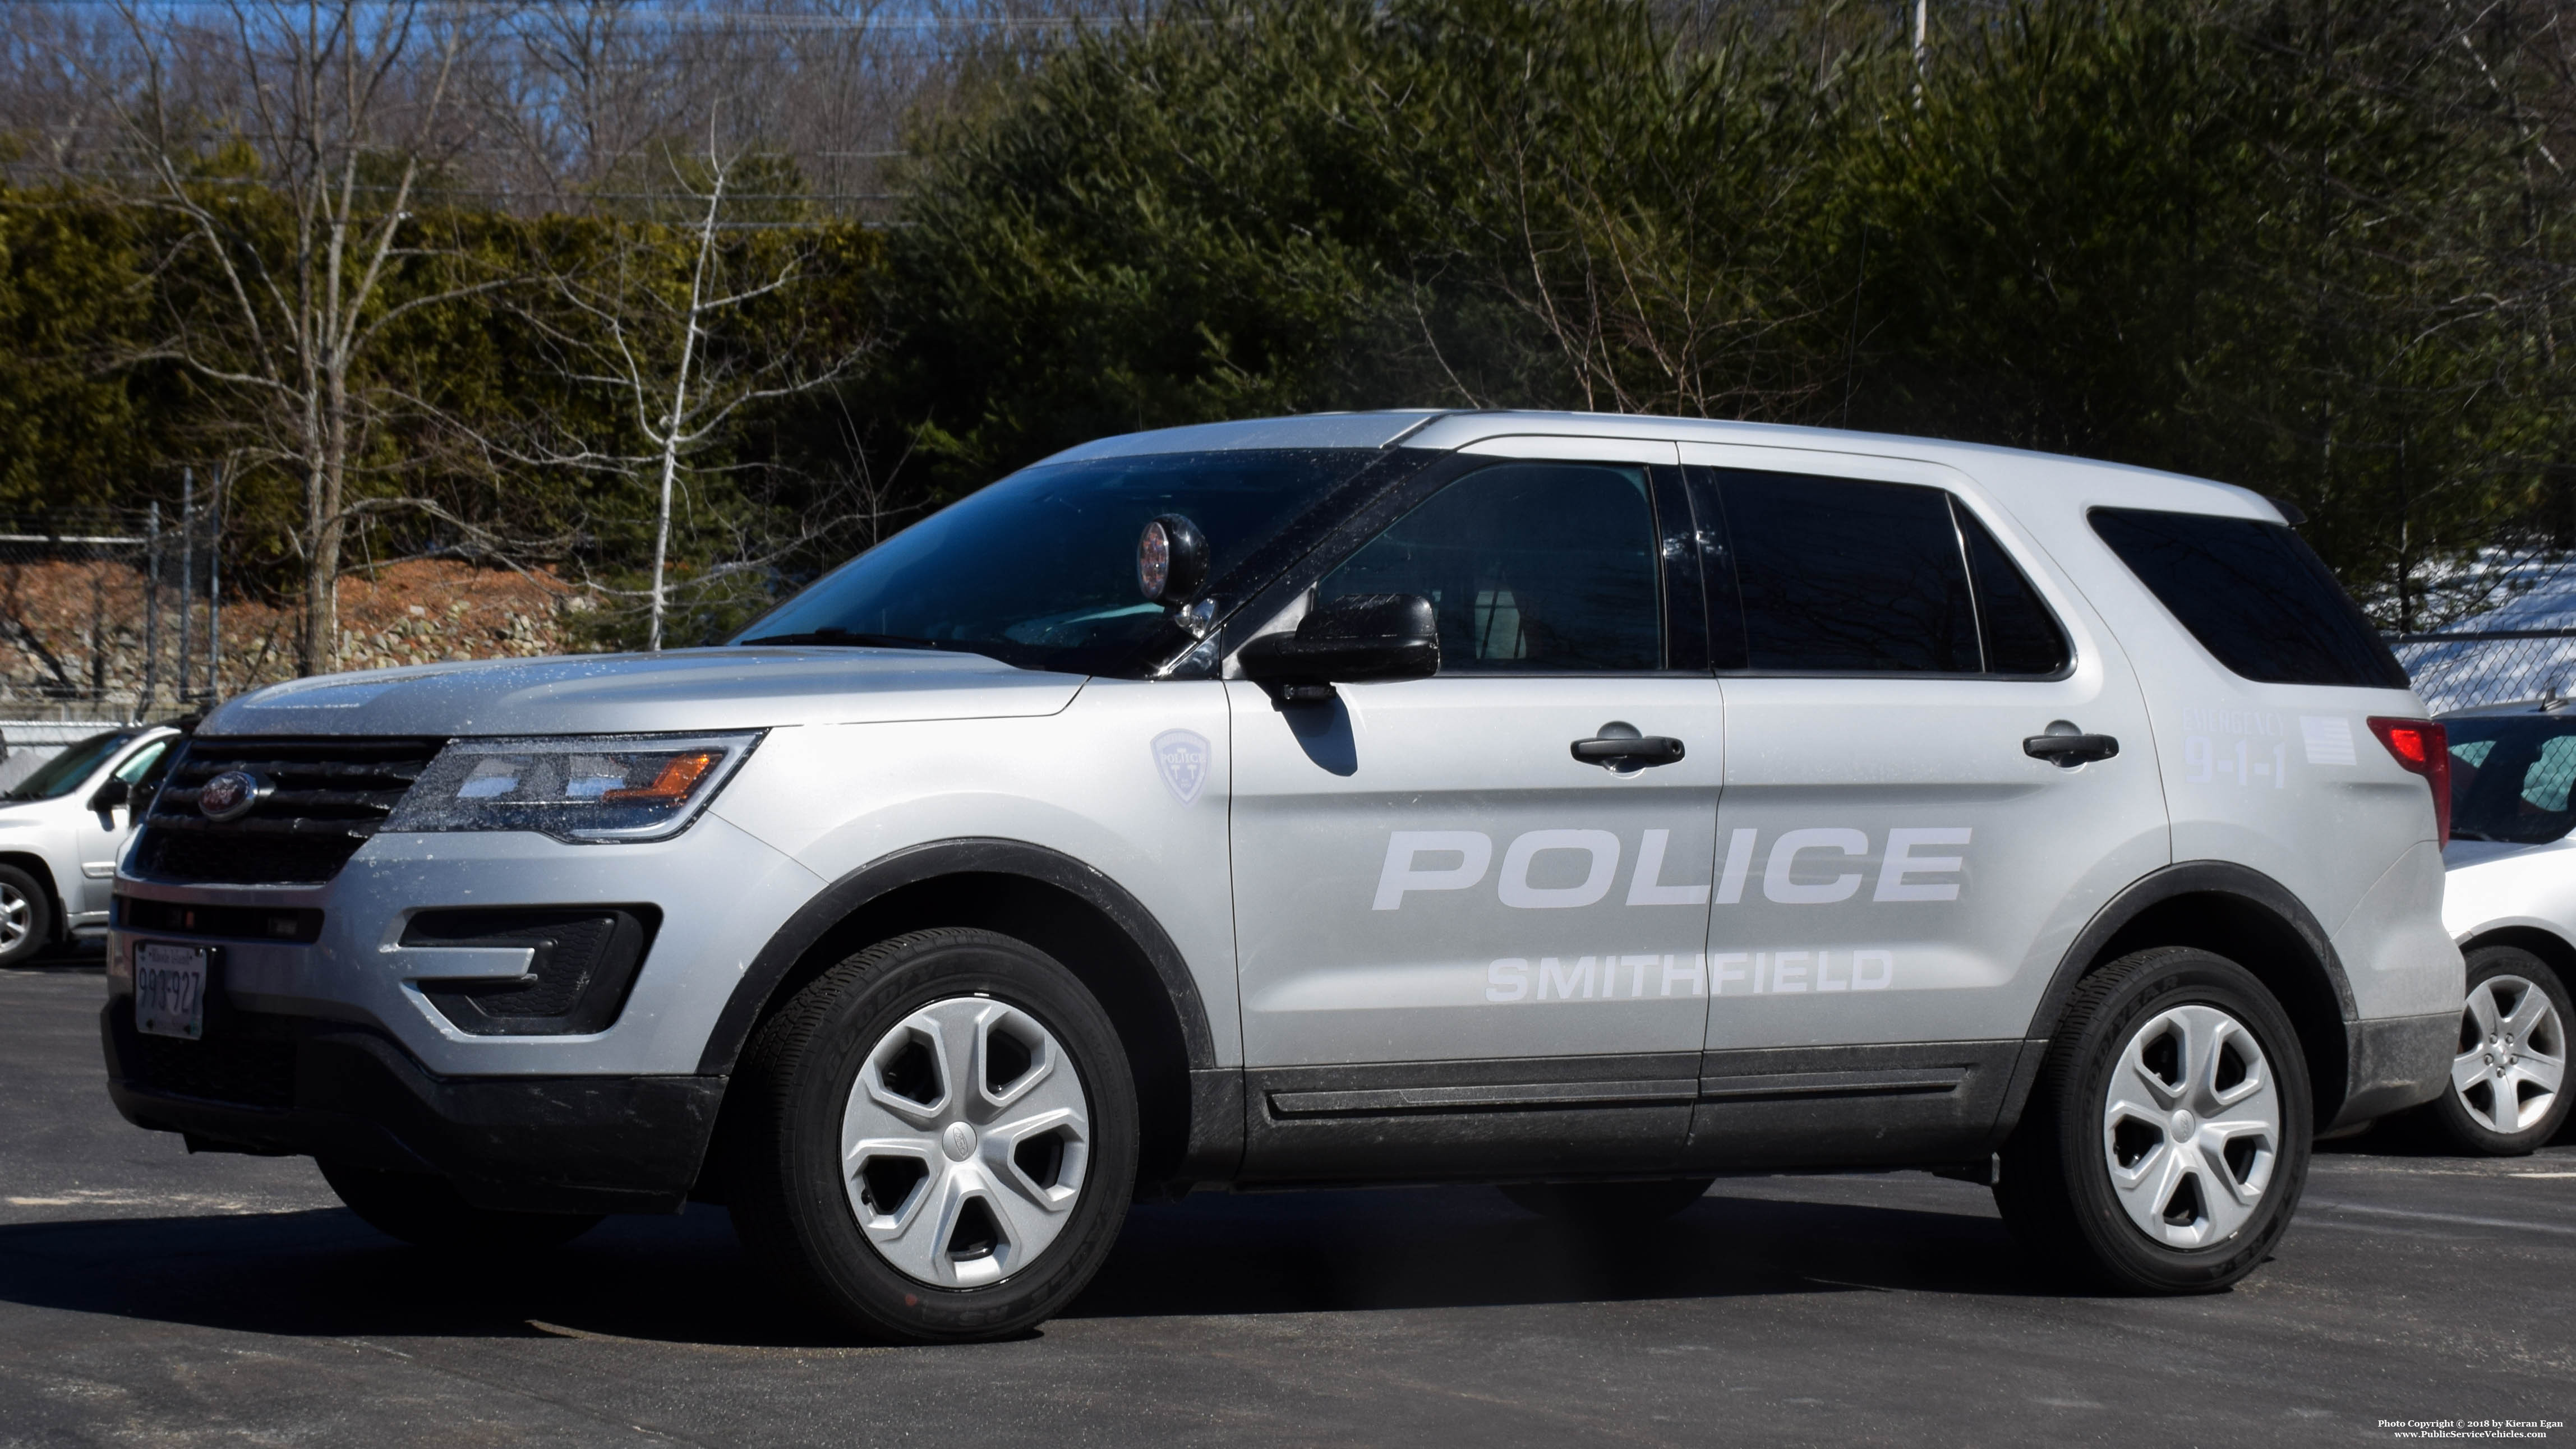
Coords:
2508,1077
26,916
936,1138
2166,1140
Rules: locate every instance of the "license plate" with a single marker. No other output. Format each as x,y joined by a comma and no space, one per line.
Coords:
170,990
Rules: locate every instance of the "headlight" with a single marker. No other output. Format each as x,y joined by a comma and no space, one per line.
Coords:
582,789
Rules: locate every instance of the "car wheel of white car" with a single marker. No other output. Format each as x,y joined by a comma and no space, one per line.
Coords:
2508,1079
936,1138
26,916
2166,1140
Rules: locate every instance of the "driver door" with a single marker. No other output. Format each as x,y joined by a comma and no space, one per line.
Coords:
1462,948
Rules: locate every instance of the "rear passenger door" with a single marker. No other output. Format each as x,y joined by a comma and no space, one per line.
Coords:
1897,875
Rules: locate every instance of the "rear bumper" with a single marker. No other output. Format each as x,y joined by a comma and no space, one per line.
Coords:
285,1084
2395,1062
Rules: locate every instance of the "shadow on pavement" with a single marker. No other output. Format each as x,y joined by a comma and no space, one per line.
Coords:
2407,1134
1337,1252
683,1280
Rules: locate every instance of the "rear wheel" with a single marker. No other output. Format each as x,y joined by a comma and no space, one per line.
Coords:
26,916
1609,1204
2507,1092
2166,1140
936,1138
429,1212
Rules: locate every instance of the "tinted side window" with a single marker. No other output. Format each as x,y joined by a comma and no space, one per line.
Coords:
1842,576
2022,637
2511,778
1532,566
2253,594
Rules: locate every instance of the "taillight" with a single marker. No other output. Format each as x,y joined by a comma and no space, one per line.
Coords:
2423,747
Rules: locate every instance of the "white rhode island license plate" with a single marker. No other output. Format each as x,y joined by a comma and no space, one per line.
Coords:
170,990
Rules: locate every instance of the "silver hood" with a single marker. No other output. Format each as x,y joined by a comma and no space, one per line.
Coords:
677,691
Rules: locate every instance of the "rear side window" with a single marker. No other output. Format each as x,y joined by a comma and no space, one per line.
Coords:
2254,595
1844,576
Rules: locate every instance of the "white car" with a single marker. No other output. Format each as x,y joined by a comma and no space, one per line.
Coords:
61,829
2510,902
1584,805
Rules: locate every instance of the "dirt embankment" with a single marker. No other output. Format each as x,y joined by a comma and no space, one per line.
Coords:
75,632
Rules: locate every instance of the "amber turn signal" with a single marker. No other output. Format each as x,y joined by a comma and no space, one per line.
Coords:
679,775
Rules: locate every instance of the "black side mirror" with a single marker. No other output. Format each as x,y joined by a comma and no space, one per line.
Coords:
110,795
1353,640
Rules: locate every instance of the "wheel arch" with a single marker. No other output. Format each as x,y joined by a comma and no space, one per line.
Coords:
1070,910
2552,948
2233,911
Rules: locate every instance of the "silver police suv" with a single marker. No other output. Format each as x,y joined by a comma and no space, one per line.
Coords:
1585,805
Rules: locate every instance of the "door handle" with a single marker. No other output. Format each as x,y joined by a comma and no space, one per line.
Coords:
2066,746
1618,743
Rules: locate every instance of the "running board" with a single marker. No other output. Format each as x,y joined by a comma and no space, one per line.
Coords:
1505,1097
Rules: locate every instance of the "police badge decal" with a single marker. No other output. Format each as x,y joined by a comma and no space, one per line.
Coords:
1182,757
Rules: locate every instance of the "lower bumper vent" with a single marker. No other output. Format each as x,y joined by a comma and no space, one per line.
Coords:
583,961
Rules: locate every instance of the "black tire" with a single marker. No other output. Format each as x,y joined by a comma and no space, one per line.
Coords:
2455,1116
2056,1191
794,1210
26,910
429,1212
1609,1204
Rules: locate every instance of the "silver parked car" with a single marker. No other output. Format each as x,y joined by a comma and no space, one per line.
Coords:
1586,805
61,829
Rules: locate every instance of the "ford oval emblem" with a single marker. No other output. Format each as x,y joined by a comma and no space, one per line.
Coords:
230,795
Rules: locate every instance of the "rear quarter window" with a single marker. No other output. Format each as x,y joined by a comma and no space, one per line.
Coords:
2254,595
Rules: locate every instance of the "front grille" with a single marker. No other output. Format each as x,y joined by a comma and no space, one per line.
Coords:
246,1072
326,798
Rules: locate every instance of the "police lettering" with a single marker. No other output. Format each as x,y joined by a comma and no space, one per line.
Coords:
1817,866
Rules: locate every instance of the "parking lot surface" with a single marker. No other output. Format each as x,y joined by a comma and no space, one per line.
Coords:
151,1297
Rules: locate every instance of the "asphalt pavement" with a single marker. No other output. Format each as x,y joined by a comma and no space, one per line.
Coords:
151,1297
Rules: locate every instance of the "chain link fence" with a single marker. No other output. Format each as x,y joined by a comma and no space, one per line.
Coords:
2470,667
107,616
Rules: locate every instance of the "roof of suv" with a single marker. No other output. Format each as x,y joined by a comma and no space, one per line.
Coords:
1431,428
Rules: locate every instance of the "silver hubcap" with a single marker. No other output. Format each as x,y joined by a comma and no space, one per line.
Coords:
2191,1127
13,916
964,1143
2513,1055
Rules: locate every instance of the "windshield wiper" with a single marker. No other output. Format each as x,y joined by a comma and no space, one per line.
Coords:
847,638
2458,834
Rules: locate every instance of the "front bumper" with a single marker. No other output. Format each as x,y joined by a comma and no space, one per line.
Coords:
2395,1062
329,1046
721,895
268,1083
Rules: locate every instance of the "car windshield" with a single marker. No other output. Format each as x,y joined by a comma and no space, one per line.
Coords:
2510,776
1039,570
64,772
